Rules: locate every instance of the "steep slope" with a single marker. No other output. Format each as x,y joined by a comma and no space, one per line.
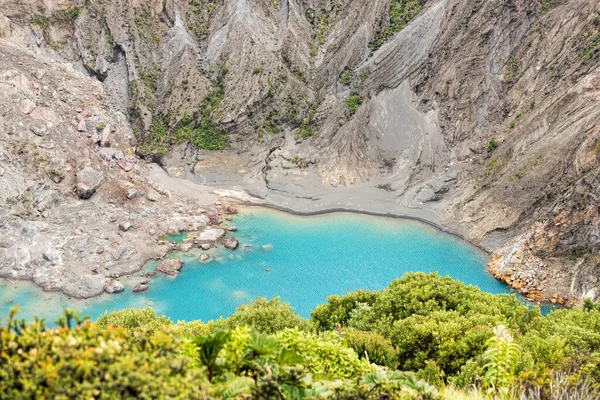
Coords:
484,112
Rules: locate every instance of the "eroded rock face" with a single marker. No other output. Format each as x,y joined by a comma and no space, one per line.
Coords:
88,181
421,108
170,267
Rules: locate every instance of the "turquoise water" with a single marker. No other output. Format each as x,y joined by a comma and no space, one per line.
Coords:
305,260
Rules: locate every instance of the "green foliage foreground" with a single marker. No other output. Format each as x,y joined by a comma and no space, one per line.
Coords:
447,338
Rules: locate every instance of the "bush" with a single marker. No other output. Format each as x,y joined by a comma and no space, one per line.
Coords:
324,354
492,145
353,102
267,316
373,346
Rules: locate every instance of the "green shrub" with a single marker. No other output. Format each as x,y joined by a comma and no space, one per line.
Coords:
267,316
324,354
373,346
492,145
346,77
353,102
401,13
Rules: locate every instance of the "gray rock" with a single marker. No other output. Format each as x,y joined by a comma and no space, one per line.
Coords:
144,281
205,246
56,171
426,195
113,286
50,255
231,243
125,165
211,235
131,193
27,106
204,258
88,181
4,26
81,127
125,226
152,195
7,241
39,128
110,154
186,247
170,267
105,136
48,199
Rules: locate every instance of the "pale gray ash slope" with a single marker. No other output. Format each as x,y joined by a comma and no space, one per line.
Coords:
479,115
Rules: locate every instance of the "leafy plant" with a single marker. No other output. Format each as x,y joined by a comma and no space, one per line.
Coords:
208,350
353,102
502,356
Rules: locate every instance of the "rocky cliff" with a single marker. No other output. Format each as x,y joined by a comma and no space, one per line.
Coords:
485,112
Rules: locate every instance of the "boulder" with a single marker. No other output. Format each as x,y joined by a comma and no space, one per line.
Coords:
113,286
27,106
88,181
186,247
152,195
39,128
204,258
144,281
426,195
105,137
170,267
211,234
56,171
231,243
125,165
230,210
81,127
131,193
215,219
140,288
4,26
125,226
205,246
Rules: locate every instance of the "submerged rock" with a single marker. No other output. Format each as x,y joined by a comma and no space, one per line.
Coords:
140,288
267,247
170,267
231,243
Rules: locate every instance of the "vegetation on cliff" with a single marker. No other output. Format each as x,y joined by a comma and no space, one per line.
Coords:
448,339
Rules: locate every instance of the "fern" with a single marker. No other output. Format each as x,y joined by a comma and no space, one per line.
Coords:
502,356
